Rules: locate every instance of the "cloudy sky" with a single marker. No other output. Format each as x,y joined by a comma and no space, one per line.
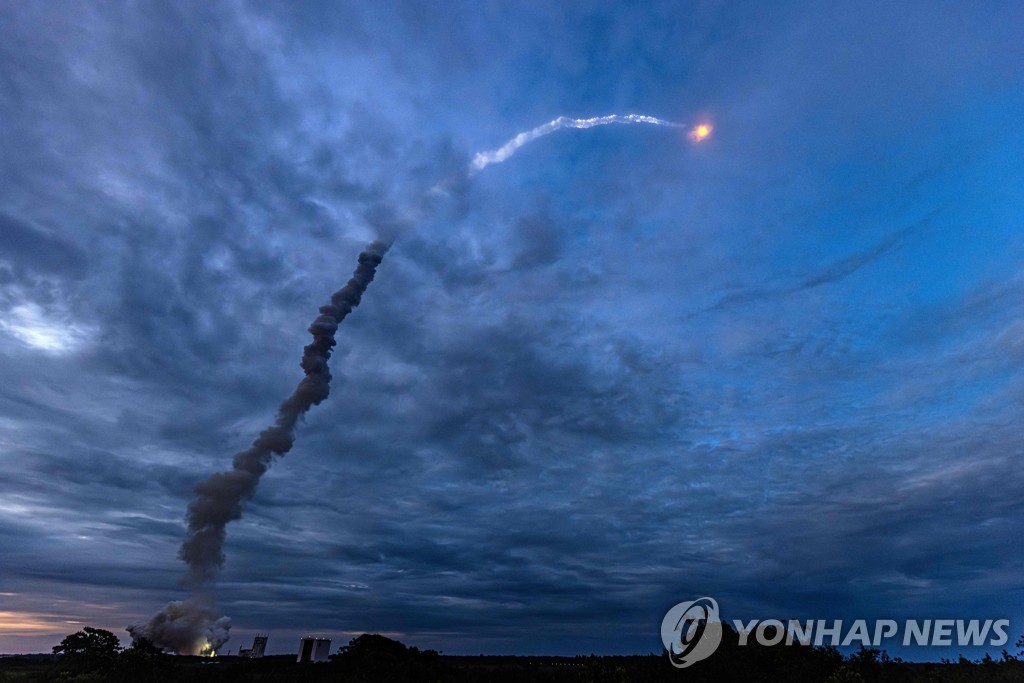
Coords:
782,368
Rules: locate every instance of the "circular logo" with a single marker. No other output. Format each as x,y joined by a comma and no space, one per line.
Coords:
691,631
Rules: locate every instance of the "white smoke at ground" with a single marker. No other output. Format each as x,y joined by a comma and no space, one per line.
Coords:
189,627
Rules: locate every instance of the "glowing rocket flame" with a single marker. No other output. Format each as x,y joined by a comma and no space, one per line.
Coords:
700,132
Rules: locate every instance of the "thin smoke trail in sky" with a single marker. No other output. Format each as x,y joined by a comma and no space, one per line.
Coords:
495,156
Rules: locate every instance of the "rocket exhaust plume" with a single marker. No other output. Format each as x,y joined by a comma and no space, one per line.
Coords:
495,156
193,626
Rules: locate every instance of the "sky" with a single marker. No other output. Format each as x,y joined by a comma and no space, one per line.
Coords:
781,367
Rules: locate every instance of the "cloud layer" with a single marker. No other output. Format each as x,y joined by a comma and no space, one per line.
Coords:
782,368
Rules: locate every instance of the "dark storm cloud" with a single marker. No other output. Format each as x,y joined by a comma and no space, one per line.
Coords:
28,246
540,239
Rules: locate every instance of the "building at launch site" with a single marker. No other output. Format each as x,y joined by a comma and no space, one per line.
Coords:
259,646
314,649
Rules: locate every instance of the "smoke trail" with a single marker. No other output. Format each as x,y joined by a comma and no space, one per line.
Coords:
190,626
220,498
495,156
195,626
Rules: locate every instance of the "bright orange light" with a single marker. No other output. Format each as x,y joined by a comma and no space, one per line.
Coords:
700,132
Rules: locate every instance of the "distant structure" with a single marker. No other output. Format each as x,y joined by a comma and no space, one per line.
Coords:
259,646
314,649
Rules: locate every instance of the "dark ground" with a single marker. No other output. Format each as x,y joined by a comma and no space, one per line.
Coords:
376,658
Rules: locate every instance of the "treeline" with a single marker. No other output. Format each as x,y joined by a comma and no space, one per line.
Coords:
94,655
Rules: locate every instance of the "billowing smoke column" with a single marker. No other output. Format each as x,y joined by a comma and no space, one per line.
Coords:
220,498
188,627
194,626
484,159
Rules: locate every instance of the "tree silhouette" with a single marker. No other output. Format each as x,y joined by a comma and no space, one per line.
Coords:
87,650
